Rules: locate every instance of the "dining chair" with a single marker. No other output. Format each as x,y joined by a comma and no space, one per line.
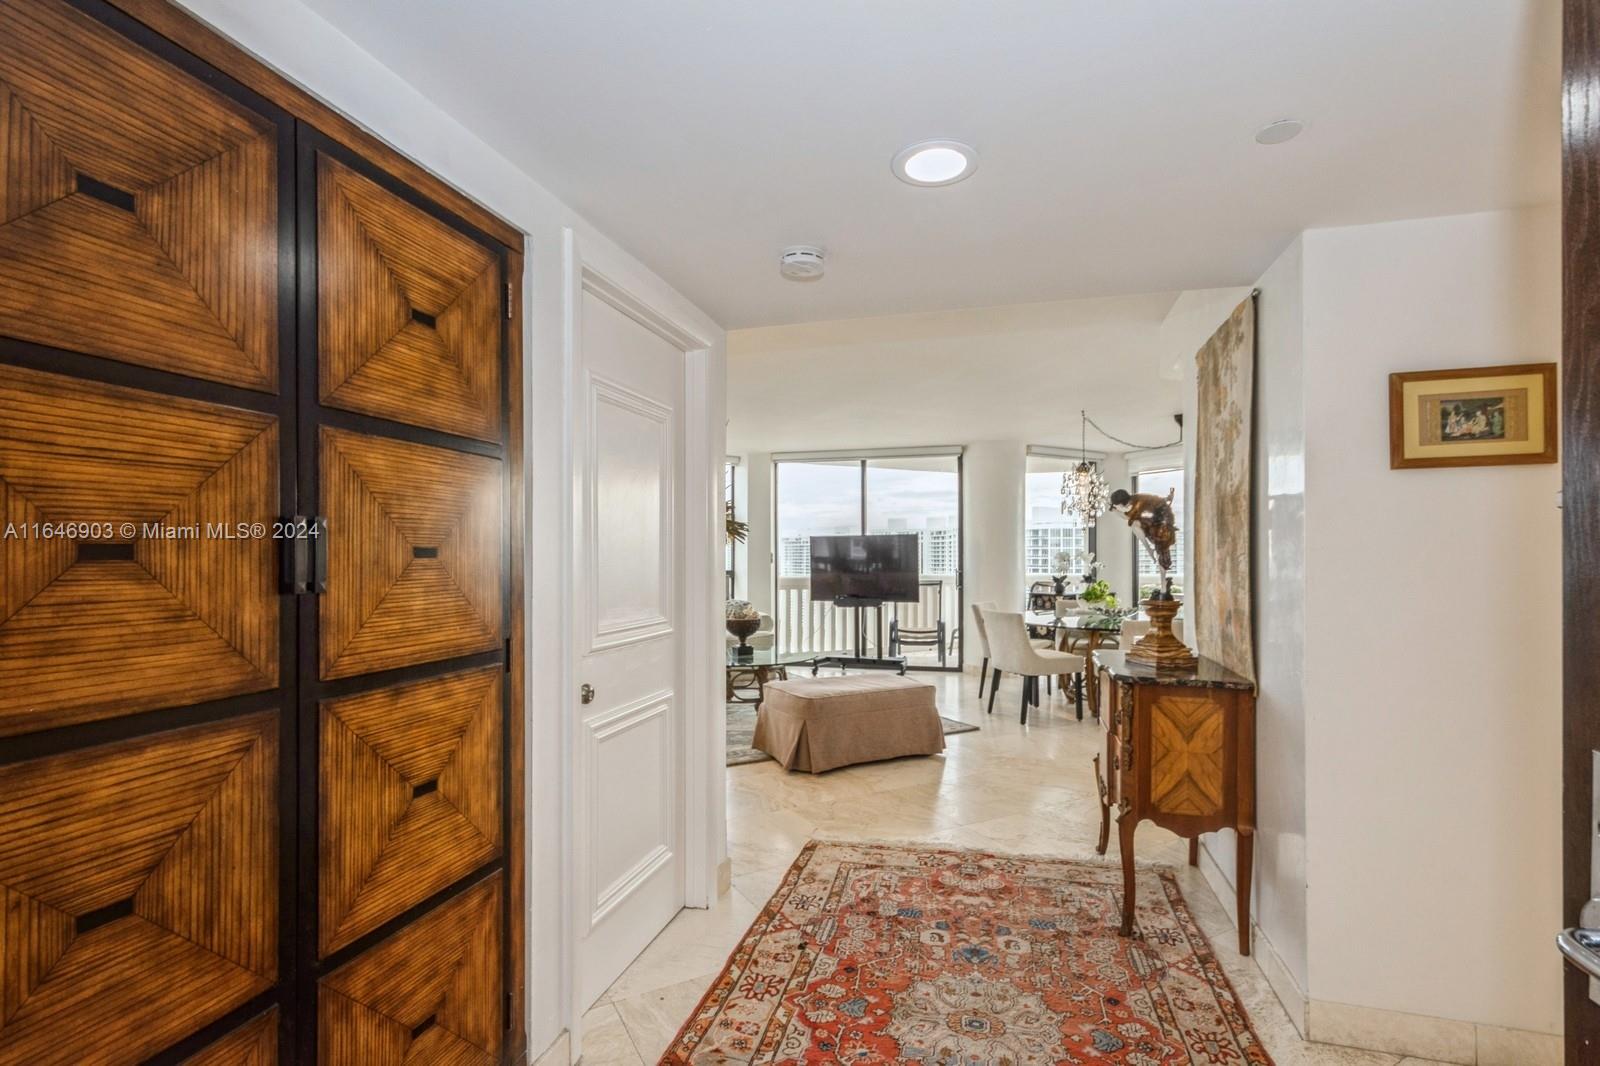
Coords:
1014,653
979,628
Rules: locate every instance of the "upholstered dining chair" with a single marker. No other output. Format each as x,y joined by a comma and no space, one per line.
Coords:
1014,653
983,639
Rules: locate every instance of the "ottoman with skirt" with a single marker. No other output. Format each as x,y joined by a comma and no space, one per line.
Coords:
821,723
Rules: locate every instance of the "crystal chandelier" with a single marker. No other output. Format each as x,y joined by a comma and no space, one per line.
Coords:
1083,491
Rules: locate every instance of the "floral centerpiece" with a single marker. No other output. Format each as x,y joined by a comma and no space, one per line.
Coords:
742,621
1098,599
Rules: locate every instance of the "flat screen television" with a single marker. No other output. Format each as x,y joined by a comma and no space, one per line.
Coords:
880,568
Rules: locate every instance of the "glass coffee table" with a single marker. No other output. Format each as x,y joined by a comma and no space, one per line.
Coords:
764,665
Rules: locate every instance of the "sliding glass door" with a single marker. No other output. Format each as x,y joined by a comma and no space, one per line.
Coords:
813,500
922,496
918,494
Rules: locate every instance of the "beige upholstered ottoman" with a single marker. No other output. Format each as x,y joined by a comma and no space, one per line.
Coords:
819,723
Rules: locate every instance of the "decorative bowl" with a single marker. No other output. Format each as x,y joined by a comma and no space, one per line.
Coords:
743,628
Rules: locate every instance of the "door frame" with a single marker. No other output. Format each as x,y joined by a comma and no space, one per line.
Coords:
1580,447
587,269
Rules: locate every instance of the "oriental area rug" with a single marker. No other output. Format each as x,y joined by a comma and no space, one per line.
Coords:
876,953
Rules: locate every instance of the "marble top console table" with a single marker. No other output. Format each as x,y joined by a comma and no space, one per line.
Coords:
1180,752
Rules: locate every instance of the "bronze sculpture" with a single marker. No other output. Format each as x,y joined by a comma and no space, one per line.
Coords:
1153,522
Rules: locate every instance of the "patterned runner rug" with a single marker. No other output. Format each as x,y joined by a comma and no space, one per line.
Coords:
876,953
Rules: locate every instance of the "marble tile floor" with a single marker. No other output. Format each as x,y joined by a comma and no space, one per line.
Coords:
1009,787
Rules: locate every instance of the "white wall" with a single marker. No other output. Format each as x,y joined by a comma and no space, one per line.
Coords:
1408,633
1278,886
1432,635
291,37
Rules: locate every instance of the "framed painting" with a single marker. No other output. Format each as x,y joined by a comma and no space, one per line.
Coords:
1475,416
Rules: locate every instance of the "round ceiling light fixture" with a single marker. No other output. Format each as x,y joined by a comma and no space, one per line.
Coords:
934,163
1285,129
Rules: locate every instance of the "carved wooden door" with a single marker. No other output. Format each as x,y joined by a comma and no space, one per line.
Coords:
404,646
146,443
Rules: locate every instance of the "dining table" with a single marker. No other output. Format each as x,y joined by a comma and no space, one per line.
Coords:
1081,633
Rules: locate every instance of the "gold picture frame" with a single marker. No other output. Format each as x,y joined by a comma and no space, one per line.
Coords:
1474,416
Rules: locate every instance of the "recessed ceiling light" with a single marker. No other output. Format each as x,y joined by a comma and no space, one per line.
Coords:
1285,129
935,163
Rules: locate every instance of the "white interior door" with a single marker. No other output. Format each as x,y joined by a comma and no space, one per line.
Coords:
627,601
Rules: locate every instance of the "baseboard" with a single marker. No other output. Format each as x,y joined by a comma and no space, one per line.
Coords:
1374,1029
1277,972
558,1053
1423,1036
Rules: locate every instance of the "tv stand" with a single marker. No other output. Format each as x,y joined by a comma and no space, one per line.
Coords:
896,663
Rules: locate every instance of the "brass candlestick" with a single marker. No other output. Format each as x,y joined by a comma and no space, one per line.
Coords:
1158,647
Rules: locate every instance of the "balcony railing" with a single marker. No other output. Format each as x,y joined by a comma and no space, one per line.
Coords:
807,626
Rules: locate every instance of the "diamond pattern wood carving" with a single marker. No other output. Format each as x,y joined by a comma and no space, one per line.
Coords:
1187,778
138,213
108,624
415,553
409,310
255,1043
140,883
418,997
411,797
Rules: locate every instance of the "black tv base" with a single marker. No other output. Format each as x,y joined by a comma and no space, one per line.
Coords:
896,663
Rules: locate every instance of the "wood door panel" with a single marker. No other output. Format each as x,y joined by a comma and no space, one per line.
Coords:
108,624
255,1043
416,553
409,311
140,884
428,994
411,788
1190,735
138,206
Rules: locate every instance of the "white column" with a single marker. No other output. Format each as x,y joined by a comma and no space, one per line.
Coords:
755,574
995,473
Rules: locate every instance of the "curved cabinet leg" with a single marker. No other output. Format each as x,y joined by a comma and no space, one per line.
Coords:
1125,827
1194,850
1105,826
1246,855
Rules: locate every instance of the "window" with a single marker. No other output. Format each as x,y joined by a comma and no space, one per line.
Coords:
1046,532
730,559
1145,575
918,494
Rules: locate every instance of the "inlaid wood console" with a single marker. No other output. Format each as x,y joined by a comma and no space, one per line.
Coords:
1180,752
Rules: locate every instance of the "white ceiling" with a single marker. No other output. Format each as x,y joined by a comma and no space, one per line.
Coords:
1115,138
1018,373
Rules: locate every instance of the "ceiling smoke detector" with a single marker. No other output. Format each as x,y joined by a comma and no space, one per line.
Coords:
803,262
